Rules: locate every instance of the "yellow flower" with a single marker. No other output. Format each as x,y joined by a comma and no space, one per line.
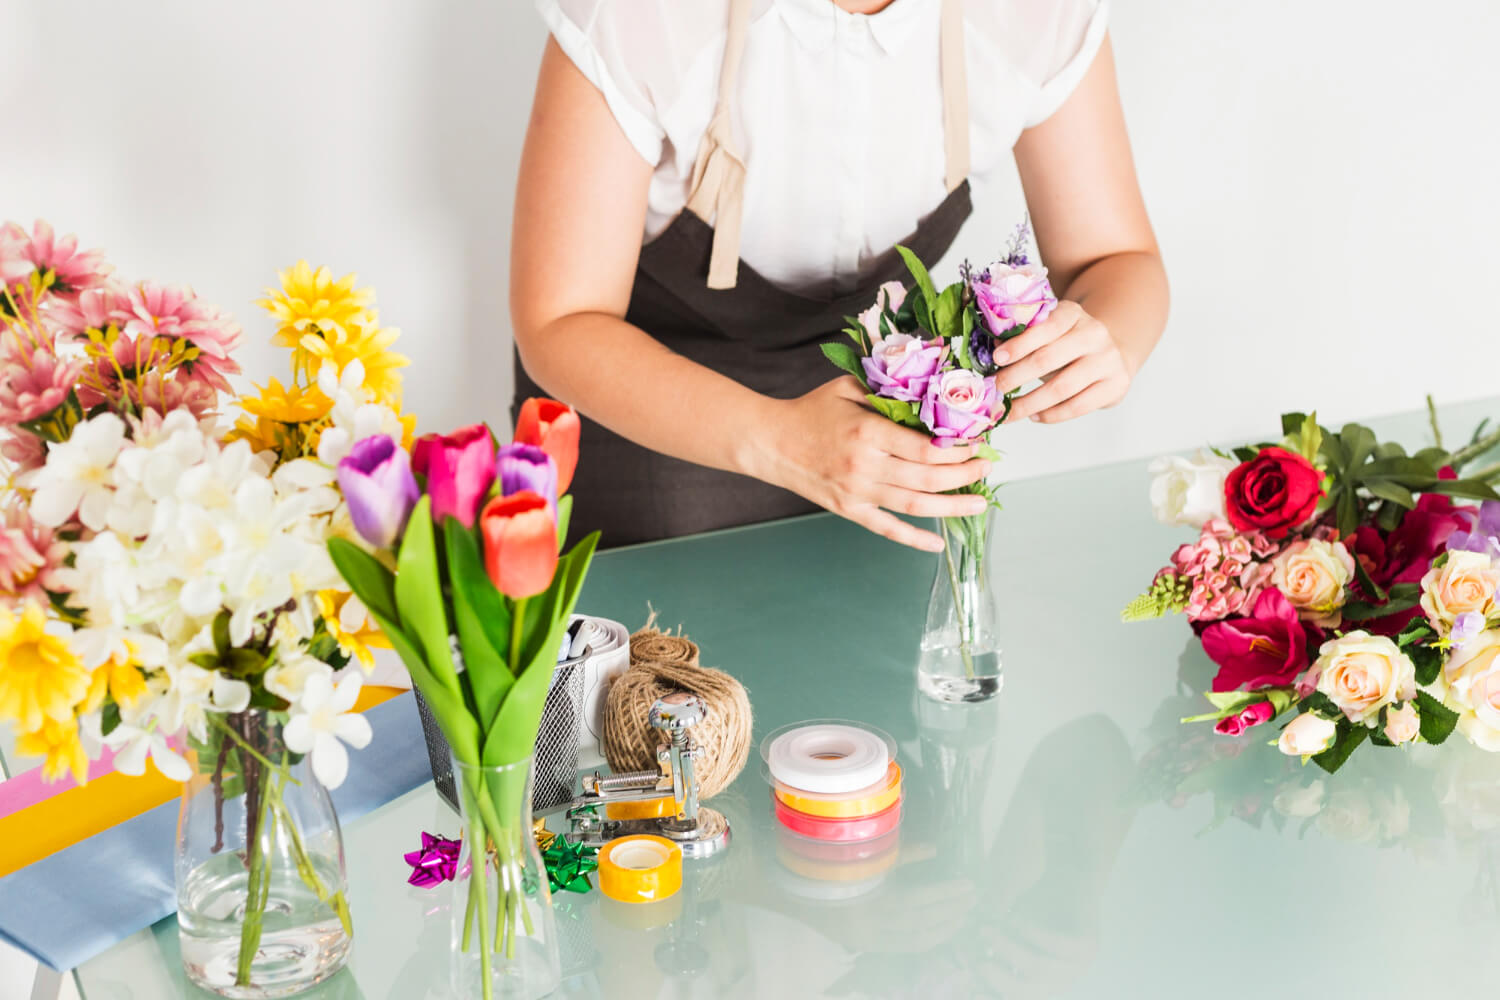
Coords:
350,625
40,676
289,404
121,679
58,743
322,320
285,419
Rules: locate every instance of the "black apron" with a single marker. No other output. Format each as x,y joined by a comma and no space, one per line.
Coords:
764,337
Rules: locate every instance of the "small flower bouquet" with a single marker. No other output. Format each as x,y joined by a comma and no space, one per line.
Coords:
1336,581
927,360
165,584
462,572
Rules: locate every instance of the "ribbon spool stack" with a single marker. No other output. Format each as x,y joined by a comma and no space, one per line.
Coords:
834,782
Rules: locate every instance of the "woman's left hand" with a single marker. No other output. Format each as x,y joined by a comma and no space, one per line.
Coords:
1080,364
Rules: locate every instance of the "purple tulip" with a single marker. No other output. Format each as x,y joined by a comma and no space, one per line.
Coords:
527,467
378,485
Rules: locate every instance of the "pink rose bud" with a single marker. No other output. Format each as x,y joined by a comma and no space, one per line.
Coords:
1402,724
1306,735
1249,717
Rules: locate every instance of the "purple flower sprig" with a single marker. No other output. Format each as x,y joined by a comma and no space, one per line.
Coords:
1485,535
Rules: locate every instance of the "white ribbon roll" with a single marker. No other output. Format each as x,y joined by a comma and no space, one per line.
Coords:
830,759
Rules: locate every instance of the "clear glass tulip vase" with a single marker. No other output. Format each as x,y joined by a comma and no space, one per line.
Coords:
960,652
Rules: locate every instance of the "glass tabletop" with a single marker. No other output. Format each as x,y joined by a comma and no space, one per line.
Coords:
1068,839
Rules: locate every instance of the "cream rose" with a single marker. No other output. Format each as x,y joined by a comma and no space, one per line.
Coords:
1477,699
1402,724
1361,672
1466,582
1189,491
1312,574
1307,734
1477,655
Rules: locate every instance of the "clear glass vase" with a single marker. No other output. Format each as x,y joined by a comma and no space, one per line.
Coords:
504,940
261,894
960,655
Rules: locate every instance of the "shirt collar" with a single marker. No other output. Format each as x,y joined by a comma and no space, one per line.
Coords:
813,22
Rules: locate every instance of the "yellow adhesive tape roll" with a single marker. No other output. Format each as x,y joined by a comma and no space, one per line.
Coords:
640,868
644,809
865,802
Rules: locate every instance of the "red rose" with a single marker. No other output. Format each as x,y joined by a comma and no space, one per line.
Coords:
1272,493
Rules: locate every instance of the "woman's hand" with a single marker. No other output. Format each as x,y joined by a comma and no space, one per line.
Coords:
1081,366
831,448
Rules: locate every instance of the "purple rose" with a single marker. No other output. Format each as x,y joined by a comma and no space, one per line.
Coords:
900,366
526,467
959,406
1009,297
377,483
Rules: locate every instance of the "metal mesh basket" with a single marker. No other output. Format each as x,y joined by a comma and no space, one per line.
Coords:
557,741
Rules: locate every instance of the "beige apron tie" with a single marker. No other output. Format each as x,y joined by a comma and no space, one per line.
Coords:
718,181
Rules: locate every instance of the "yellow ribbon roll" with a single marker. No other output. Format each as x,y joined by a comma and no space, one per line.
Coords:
865,802
640,868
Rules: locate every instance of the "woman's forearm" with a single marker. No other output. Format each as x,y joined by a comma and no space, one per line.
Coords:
1127,292
645,392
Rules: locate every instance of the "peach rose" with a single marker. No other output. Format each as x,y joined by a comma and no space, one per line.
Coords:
1402,724
1466,582
1361,672
1313,574
1307,734
1477,655
1477,698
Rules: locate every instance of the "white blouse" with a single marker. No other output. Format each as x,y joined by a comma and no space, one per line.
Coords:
838,115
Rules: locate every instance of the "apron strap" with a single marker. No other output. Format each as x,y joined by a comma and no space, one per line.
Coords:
718,185
955,94
718,182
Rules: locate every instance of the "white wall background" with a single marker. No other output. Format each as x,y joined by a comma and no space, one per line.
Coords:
1323,183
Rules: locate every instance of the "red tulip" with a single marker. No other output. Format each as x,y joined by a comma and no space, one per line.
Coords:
554,428
520,543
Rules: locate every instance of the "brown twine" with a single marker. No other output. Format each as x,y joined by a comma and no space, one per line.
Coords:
661,663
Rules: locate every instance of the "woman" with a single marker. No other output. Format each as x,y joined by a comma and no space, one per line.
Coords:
709,186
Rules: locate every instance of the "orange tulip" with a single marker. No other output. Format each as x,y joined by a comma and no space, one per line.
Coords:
520,543
554,428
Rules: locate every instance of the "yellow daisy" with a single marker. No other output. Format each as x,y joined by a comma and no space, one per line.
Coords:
40,676
58,743
121,679
363,340
312,301
351,627
289,404
284,419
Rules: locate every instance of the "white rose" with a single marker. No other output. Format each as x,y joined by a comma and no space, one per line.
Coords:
1189,491
1298,801
1306,735
1476,696
1313,574
1362,672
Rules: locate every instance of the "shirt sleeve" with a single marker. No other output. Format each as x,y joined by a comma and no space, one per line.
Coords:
600,45
1080,29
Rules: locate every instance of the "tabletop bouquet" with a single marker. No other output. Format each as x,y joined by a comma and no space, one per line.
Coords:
461,568
926,359
1336,582
165,585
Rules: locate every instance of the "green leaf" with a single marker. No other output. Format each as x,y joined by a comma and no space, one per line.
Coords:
1389,449
986,451
109,718
1291,423
1387,490
1437,720
1320,704
221,633
1231,701
1389,518
1471,489
1360,441
1417,630
1348,740
1245,453
447,706
1428,661
419,595
1347,512
919,272
899,410
1407,471
847,359
371,581
482,620
564,518
947,312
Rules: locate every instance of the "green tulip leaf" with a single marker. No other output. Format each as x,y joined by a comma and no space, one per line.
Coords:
449,709
564,518
419,595
483,623
372,583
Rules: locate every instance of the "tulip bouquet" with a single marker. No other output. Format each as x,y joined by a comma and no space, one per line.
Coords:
164,579
927,359
463,574
1336,581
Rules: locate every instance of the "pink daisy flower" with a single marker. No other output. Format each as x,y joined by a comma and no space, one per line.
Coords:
165,311
33,387
30,556
94,309
72,269
24,450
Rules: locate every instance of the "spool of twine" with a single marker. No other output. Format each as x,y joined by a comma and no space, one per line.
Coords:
661,663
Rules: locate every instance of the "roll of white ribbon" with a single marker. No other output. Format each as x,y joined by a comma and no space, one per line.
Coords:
831,759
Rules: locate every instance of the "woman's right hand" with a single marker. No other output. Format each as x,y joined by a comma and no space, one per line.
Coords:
831,448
